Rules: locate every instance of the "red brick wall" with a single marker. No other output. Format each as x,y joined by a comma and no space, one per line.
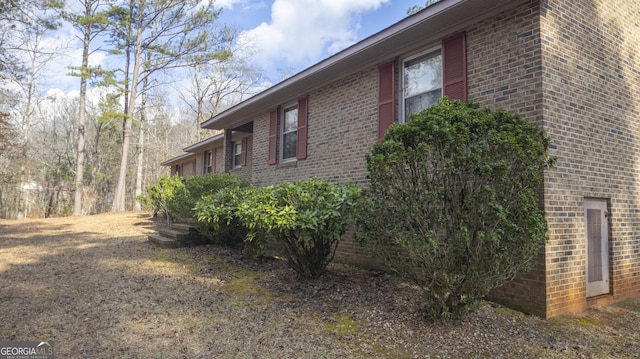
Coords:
571,67
505,71
591,111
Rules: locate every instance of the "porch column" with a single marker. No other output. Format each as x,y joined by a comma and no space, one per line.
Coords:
228,151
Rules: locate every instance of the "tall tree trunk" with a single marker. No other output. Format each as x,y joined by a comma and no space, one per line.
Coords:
141,138
82,113
119,201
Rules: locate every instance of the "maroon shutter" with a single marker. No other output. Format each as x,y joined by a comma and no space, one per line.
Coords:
273,136
454,67
243,154
301,142
386,97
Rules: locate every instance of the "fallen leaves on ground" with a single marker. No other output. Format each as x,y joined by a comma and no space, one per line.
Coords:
97,288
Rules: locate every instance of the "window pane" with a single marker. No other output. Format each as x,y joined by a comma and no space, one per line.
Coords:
418,103
289,141
290,120
423,74
237,151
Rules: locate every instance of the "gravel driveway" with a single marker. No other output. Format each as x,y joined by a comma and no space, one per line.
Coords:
96,288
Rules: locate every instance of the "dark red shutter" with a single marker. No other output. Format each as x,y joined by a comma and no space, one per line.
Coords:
301,142
386,97
454,67
273,136
243,154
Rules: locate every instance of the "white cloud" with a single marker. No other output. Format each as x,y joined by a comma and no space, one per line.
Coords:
67,43
227,4
244,4
302,32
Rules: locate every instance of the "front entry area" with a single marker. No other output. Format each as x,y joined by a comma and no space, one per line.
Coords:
597,246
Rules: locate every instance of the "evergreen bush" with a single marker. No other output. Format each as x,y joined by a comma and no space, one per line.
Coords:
453,204
307,218
166,197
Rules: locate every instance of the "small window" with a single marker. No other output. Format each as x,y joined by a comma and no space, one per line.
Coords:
208,162
237,154
178,170
421,82
289,133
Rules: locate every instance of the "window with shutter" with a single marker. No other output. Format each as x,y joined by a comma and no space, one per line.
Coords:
288,132
425,77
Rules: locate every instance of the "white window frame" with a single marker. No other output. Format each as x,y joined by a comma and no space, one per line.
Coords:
282,133
402,106
208,161
237,154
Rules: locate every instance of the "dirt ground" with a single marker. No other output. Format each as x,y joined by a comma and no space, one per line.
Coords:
96,288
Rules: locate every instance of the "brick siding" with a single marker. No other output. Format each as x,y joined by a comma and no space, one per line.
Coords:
591,110
571,67
341,129
504,70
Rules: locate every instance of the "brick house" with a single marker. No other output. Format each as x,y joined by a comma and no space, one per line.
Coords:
570,67
208,156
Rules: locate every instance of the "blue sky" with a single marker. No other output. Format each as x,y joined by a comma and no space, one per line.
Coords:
286,36
291,35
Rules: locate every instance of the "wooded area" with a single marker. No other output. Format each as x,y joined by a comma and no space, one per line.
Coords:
172,65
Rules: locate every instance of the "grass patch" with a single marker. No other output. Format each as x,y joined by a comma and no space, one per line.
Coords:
511,312
245,286
589,321
341,324
237,282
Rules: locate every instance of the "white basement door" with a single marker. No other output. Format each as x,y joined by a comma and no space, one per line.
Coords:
597,247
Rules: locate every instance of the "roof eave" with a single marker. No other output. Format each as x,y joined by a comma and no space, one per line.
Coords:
428,24
177,159
204,143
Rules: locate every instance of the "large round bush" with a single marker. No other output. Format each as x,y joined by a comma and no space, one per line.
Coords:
453,203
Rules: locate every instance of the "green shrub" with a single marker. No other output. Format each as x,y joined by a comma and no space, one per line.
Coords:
175,197
217,215
453,204
199,186
306,217
210,183
167,197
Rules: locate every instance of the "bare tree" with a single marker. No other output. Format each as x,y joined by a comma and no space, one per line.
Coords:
216,86
35,55
16,18
180,33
